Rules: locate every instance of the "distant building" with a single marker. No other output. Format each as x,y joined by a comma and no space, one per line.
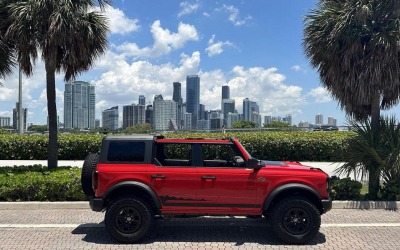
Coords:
188,121
149,115
79,105
165,114
332,121
5,121
319,119
287,120
142,100
193,97
133,114
249,108
97,123
227,106
267,120
231,119
110,118
225,93
16,116
304,124
177,97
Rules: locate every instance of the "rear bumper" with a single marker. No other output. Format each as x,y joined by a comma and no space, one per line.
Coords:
96,204
326,205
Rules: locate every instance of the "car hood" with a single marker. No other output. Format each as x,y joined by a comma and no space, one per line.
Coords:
287,164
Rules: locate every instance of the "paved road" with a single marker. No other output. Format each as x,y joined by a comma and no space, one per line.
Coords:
84,229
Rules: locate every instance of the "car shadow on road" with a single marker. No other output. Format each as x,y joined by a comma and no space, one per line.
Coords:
201,230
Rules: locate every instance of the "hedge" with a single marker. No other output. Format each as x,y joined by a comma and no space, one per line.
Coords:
37,183
293,146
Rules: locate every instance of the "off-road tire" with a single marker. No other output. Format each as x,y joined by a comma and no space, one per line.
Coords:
129,220
89,165
295,220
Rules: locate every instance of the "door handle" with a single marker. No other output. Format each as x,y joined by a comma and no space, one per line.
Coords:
157,176
208,177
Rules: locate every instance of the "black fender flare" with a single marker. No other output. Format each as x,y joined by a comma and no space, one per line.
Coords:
148,190
285,187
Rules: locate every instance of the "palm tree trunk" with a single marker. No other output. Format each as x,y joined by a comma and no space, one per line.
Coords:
374,170
52,157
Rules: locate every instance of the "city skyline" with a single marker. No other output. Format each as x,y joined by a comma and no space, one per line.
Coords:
254,47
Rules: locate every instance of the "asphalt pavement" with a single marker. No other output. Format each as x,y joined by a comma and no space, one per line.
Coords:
84,229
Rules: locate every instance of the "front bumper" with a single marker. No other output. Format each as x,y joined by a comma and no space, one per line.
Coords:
326,205
96,204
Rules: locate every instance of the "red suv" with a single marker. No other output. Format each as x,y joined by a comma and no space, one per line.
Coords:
135,178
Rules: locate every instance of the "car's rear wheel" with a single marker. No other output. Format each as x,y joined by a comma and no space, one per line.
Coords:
89,165
129,220
296,220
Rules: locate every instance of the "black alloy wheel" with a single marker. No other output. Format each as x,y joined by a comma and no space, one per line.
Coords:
296,221
128,220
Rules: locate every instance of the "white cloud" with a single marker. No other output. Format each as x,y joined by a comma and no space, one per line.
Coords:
187,8
8,94
164,41
216,48
118,22
296,67
321,95
234,15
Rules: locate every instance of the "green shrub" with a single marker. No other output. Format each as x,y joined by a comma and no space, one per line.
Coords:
37,183
291,146
345,189
391,190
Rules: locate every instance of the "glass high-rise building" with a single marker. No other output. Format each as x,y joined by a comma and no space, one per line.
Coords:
79,105
225,92
142,100
177,97
193,97
249,109
110,118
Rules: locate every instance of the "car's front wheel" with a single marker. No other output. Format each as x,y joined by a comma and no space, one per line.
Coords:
296,220
129,220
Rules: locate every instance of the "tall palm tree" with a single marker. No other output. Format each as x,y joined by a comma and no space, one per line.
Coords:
354,44
69,36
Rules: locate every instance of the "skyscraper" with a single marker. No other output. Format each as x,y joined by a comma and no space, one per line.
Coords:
133,114
142,100
332,121
79,105
177,97
249,108
319,119
193,98
227,106
164,113
5,121
225,92
110,118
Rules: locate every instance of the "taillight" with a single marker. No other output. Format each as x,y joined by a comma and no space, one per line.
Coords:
95,179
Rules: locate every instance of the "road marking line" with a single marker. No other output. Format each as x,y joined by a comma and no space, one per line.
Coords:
361,225
88,225
94,225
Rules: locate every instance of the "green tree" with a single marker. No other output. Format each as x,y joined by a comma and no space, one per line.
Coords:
354,44
277,124
68,35
243,124
138,129
37,128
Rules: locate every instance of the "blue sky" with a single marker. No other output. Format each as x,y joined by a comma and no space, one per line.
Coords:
254,46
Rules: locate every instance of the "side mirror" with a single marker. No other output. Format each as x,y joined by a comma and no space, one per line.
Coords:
253,163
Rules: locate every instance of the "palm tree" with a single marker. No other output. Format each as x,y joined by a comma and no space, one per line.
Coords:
68,35
354,44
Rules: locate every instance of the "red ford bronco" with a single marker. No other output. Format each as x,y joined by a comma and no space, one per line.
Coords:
135,178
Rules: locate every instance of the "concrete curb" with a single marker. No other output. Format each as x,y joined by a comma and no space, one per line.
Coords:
38,205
